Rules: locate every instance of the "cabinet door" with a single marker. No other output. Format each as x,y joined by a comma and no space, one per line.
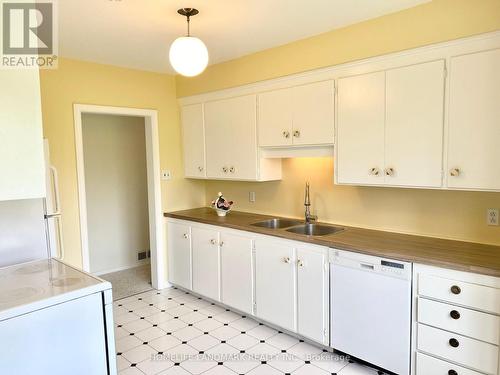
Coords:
179,254
236,271
193,135
360,131
313,113
474,125
275,118
231,138
205,262
275,282
22,164
414,125
312,291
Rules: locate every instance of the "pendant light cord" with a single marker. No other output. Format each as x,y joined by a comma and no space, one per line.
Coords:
188,25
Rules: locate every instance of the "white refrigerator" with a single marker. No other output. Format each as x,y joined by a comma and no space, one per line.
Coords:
54,319
31,229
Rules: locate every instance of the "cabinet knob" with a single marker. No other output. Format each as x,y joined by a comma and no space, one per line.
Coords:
296,133
300,263
224,169
374,171
286,134
232,169
287,259
213,242
221,243
200,169
389,171
455,172
452,372
454,343
185,235
455,289
455,314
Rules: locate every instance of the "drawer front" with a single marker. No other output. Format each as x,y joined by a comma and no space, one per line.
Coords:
460,320
459,292
472,353
427,365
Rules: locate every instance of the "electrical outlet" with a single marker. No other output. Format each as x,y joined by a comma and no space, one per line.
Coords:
166,175
492,216
251,196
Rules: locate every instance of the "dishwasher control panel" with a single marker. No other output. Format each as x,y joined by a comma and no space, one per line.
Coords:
371,263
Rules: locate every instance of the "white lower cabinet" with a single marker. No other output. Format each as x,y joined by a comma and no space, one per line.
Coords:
236,271
427,365
456,322
285,283
275,282
312,293
291,286
179,254
205,245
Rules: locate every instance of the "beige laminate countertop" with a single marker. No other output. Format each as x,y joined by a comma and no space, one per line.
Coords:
459,255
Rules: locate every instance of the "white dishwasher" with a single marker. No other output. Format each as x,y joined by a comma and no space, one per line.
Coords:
371,309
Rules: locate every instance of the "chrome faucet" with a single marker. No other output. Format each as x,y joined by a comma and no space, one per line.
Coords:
307,204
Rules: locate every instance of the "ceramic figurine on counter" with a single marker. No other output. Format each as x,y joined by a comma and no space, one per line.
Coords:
221,205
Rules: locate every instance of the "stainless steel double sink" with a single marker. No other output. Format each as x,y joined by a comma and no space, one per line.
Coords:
299,227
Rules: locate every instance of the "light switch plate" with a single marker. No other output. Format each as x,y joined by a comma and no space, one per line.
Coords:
492,216
251,196
166,175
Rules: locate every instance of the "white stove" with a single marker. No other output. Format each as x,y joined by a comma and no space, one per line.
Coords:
60,315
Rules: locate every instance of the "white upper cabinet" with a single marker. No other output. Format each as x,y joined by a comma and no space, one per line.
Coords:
22,164
360,129
474,122
193,135
313,113
231,138
231,142
414,125
275,118
390,127
301,115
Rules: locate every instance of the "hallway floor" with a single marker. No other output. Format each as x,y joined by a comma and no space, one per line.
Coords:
129,282
171,332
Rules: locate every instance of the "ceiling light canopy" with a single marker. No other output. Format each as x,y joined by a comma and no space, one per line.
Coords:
188,55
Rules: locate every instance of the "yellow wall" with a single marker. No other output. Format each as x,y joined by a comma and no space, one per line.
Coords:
433,22
88,83
451,214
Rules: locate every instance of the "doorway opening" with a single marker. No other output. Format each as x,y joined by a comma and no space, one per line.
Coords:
121,220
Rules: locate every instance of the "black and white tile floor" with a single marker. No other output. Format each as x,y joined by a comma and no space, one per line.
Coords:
171,332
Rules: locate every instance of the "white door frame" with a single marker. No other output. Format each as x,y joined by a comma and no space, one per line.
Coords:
156,234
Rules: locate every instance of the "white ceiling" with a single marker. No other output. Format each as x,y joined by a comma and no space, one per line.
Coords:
138,33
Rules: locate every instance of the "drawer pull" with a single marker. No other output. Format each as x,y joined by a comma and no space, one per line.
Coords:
454,343
455,289
452,372
455,314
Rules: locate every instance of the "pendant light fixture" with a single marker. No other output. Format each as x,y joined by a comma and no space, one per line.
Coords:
188,55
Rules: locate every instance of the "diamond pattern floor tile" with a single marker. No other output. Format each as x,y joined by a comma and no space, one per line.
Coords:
153,366
208,325
171,332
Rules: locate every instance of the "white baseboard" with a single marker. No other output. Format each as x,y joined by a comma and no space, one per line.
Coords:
123,268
